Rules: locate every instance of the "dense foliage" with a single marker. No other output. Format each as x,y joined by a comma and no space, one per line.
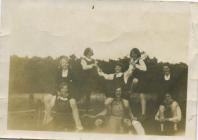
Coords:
36,74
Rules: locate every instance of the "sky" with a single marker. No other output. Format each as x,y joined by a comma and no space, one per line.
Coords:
112,29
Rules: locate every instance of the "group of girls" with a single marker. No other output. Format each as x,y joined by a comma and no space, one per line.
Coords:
117,104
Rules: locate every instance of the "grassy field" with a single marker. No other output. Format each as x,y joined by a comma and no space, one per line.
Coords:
21,115
24,116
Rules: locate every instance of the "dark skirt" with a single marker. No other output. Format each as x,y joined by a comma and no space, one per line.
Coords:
140,87
63,118
63,121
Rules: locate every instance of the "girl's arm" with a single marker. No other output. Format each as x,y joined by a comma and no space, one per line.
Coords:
128,73
106,76
141,66
157,116
127,106
177,117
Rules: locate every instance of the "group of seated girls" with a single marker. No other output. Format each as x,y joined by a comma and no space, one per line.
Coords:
116,115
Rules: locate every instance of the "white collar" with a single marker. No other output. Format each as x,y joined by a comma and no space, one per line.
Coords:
88,59
118,74
64,72
167,77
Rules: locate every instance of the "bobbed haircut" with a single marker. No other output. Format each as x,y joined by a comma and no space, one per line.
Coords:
166,66
64,57
86,51
60,60
136,51
119,64
172,95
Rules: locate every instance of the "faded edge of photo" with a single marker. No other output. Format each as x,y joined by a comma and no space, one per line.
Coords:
4,80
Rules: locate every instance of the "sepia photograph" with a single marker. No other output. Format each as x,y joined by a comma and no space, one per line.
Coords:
97,67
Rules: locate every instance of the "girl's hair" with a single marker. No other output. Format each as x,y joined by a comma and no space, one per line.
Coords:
60,59
136,51
166,65
170,94
119,64
63,57
86,51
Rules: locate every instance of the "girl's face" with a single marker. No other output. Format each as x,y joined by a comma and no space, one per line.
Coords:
64,89
118,69
134,55
118,92
166,70
90,53
64,63
168,98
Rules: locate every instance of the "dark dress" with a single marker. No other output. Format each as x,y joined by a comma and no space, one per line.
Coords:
63,114
117,82
89,78
168,126
140,75
61,79
167,86
69,80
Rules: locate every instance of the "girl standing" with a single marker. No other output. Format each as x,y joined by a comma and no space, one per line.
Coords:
136,80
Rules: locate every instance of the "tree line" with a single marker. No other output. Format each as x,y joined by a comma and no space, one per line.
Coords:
38,74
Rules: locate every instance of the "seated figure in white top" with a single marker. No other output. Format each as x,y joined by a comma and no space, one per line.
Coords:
169,112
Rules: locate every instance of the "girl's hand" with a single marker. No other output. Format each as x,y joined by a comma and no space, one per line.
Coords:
63,99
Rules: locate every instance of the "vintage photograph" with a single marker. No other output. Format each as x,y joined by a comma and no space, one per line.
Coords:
98,67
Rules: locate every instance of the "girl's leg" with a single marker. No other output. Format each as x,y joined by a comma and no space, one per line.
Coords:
176,114
143,104
138,127
49,102
161,117
75,114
